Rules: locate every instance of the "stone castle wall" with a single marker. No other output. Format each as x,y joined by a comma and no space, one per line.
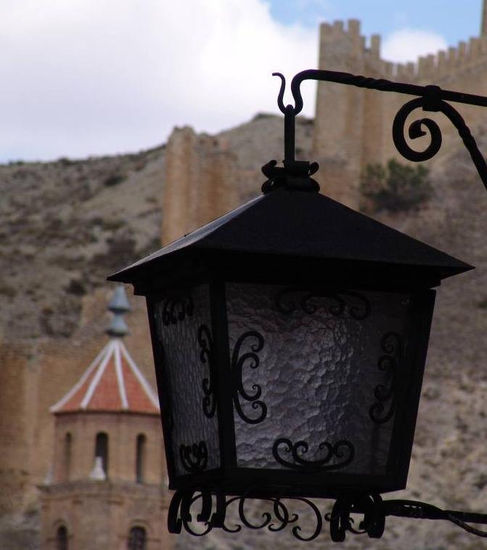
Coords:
198,182
353,126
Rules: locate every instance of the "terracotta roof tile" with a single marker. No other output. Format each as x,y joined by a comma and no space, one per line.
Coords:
113,382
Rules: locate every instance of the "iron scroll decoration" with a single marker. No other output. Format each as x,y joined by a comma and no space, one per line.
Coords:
205,342
430,99
199,512
249,359
383,408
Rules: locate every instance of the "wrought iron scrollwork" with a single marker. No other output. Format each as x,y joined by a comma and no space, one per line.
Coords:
336,456
210,512
176,308
415,131
373,522
249,359
375,510
194,458
338,303
429,98
383,408
205,342
432,102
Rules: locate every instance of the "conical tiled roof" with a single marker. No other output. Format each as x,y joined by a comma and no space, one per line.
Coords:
113,382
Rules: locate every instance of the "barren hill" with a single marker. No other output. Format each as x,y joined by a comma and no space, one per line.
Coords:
65,226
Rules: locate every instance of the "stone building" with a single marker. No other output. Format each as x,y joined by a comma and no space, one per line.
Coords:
106,488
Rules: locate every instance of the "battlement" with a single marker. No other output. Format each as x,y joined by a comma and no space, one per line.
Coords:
352,126
444,63
345,40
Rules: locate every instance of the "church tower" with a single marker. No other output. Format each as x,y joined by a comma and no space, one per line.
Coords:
107,487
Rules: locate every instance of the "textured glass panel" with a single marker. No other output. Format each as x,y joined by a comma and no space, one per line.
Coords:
316,370
185,332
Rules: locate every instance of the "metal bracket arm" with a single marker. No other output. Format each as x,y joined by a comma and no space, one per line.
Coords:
430,98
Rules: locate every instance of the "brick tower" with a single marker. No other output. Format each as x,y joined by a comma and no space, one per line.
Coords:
106,489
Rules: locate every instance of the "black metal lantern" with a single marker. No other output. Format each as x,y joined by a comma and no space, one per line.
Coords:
289,338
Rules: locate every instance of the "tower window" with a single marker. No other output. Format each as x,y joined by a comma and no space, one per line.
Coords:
137,539
62,538
101,450
140,458
67,455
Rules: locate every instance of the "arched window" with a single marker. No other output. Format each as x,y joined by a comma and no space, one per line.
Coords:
140,458
101,450
62,538
137,539
67,455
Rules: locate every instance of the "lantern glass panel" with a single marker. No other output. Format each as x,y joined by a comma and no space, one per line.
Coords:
183,325
316,369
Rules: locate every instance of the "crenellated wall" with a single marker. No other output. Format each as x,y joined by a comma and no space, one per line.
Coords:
353,126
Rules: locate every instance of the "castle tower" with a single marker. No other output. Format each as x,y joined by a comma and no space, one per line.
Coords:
343,113
106,489
198,182
353,125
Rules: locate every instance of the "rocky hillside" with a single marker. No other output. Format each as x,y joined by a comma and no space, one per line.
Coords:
65,225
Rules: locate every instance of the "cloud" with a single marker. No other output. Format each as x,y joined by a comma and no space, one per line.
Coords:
89,77
408,44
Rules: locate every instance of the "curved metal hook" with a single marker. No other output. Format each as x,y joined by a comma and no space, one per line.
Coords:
280,97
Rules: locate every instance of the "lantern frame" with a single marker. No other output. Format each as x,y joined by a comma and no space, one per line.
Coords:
231,479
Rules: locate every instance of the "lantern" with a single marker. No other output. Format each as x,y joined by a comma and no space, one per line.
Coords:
289,339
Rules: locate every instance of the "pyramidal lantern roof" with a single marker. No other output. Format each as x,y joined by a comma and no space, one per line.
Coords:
287,225
112,382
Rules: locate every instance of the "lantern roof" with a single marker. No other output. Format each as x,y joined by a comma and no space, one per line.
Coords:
299,224
113,382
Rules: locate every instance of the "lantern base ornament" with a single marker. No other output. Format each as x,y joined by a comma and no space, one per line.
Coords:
231,514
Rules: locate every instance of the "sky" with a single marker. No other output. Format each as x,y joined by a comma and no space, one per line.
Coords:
86,78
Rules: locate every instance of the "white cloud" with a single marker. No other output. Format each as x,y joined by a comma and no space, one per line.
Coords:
408,44
83,77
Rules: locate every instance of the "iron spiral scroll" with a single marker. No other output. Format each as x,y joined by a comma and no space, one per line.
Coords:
429,98
383,408
253,342
205,341
292,455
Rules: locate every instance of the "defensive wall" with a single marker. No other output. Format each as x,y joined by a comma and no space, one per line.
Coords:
353,125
